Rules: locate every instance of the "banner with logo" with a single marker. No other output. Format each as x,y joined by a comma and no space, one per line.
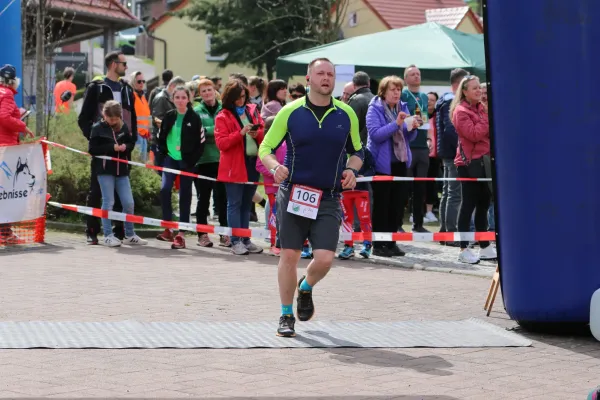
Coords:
22,182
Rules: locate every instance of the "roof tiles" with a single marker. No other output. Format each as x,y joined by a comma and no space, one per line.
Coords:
403,13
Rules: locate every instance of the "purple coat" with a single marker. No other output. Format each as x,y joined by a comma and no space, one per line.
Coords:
379,140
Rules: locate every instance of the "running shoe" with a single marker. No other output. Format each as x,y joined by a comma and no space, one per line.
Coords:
204,240
286,326
305,307
366,251
307,252
178,242
134,240
346,253
225,241
166,236
252,248
111,241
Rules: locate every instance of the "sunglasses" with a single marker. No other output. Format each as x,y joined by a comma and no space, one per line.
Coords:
296,96
121,62
141,81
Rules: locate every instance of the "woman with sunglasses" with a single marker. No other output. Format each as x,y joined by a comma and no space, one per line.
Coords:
296,90
470,118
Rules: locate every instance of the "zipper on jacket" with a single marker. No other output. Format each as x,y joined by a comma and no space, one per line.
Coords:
320,121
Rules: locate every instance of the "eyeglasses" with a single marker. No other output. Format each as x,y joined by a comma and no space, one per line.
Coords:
141,81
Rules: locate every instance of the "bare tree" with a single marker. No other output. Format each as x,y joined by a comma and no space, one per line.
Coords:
42,31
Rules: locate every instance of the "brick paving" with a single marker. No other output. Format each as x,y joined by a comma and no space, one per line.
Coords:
65,280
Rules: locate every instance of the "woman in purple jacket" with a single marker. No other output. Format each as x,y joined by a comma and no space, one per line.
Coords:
388,138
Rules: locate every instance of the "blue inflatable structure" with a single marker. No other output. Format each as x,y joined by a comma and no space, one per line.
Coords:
10,32
542,62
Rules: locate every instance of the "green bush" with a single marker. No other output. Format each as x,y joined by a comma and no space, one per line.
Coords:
70,181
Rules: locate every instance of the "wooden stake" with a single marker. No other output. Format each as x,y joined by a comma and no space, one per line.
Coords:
491,297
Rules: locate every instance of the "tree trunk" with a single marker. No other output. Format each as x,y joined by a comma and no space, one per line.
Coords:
270,70
40,63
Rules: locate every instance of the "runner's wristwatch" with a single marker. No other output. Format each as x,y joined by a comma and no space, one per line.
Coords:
355,172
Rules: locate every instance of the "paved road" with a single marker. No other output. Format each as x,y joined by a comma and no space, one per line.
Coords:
65,280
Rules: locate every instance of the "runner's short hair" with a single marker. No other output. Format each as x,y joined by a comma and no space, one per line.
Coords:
316,60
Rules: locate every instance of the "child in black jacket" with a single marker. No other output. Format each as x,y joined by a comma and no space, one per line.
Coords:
111,137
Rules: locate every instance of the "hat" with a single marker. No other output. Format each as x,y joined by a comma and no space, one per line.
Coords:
8,72
195,77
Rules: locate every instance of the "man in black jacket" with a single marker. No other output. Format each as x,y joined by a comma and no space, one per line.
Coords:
359,101
97,93
447,142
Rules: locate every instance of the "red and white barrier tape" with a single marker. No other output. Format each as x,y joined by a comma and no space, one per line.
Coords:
264,233
378,178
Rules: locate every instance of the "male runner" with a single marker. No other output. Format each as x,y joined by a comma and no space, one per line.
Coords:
320,132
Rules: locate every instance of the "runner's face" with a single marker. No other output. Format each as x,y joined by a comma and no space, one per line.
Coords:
322,78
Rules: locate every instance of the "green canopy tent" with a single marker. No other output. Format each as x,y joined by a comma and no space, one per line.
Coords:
434,48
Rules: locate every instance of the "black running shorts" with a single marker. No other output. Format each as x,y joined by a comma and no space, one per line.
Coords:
323,232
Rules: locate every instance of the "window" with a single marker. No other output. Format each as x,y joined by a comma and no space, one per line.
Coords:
209,56
353,20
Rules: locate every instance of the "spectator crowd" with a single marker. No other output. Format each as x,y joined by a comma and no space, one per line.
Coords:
214,128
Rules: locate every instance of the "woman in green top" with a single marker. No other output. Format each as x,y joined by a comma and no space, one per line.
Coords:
181,141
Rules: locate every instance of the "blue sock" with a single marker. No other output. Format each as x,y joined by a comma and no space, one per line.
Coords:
287,310
304,286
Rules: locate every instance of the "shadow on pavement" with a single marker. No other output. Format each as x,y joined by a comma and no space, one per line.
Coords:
430,365
35,248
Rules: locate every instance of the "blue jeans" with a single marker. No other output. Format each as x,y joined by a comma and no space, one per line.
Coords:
108,185
185,190
142,144
239,204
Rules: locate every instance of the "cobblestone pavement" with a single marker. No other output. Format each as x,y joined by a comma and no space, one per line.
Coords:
65,280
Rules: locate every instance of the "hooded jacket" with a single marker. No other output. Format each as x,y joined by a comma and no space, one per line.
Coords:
97,93
102,143
447,139
10,117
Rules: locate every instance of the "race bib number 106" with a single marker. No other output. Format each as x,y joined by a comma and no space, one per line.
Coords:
304,201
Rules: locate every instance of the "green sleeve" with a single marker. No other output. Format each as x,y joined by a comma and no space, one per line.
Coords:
276,133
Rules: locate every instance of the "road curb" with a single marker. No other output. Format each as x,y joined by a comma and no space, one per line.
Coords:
151,233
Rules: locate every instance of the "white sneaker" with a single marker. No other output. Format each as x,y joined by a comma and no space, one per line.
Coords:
468,257
430,217
135,240
239,249
488,254
111,241
254,249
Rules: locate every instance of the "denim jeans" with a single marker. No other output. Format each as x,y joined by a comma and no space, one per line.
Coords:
142,144
185,190
239,204
451,198
108,185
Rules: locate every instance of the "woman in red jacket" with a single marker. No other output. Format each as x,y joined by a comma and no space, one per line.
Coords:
239,132
470,118
10,116
10,127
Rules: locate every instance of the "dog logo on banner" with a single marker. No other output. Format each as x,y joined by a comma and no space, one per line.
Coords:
22,183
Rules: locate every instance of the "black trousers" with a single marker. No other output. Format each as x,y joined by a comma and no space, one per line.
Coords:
388,200
204,189
432,187
94,199
418,169
476,197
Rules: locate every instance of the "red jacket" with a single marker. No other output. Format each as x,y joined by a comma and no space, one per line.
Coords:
473,129
232,165
10,117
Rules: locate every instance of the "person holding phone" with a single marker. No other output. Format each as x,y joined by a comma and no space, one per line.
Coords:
238,133
111,137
